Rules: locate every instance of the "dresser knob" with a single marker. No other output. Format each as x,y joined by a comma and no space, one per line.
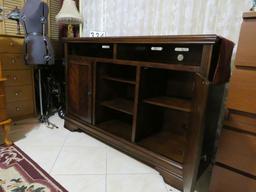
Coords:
17,108
11,44
13,60
17,93
180,57
15,78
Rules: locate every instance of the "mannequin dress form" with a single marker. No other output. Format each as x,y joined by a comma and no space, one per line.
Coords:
38,47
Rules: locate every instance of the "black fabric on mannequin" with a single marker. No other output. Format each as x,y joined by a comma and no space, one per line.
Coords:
38,47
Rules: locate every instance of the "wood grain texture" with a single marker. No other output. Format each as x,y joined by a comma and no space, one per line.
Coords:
246,56
237,150
242,91
224,180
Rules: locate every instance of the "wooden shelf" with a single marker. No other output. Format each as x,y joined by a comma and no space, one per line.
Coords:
119,80
171,103
167,144
118,128
119,104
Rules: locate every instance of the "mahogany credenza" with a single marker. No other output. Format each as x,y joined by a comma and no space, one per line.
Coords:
19,84
235,167
157,99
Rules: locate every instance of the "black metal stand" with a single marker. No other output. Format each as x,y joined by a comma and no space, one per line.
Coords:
44,118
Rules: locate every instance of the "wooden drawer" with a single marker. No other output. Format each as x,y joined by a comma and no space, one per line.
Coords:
224,180
20,108
11,45
237,150
13,61
19,93
14,78
164,53
246,50
93,50
242,91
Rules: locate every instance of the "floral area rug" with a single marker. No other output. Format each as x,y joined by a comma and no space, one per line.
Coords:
19,173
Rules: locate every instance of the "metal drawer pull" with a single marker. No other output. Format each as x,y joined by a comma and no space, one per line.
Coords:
11,44
156,48
15,78
182,49
105,46
180,57
17,93
18,108
13,61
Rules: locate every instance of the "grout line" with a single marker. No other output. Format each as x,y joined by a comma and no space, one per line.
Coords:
61,149
106,175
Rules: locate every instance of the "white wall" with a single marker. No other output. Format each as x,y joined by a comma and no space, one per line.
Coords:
164,17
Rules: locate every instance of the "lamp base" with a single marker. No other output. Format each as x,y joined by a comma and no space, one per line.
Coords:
70,31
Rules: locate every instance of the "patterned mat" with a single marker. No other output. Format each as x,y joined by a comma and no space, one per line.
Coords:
19,173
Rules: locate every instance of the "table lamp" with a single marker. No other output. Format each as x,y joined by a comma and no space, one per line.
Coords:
69,15
15,16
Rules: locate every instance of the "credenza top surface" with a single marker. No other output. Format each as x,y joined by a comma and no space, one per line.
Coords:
193,39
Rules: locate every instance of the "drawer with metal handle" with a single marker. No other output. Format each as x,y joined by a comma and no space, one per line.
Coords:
20,108
11,45
93,50
13,62
14,78
19,93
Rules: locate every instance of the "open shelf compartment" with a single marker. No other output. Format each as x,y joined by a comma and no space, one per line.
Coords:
166,106
120,104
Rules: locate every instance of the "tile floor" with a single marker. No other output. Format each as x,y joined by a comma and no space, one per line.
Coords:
81,163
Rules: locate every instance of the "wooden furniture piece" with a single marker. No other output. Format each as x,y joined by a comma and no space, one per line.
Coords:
235,167
5,122
19,85
155,98
6,126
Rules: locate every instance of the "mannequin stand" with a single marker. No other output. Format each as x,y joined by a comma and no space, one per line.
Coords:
6,126
44,118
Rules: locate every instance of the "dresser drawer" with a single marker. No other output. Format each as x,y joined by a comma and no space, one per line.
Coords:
246,49
224,180
237,150
23,77
19,93
21,108
13,61
11,45
242,91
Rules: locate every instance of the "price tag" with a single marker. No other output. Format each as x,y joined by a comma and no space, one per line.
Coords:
97,34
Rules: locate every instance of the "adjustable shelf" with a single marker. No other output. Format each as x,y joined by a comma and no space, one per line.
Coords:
115,79
117,127
167,144
171,103
120,104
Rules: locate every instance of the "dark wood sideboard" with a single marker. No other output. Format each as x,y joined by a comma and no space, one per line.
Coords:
156,98
235,167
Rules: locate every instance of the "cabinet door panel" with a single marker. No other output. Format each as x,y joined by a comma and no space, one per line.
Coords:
80,89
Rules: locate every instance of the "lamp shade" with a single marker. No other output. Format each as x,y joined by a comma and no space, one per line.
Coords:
69,13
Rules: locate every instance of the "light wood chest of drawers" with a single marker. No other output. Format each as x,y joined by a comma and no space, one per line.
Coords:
19,86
